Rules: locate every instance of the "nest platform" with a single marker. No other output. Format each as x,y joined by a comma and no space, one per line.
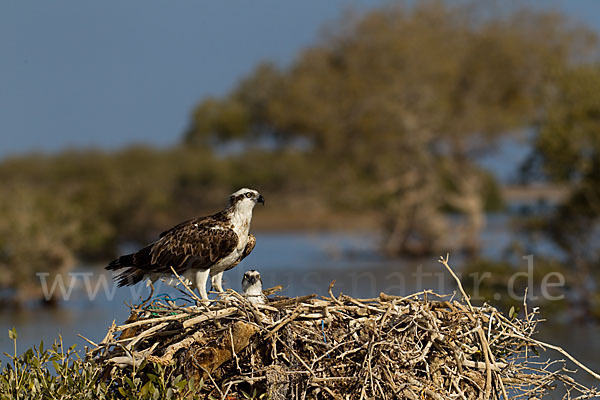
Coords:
422,346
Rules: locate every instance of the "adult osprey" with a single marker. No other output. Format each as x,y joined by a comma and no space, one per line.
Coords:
196,248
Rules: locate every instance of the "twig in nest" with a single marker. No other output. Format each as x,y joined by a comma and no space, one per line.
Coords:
480,332
368,351
190,291
339,303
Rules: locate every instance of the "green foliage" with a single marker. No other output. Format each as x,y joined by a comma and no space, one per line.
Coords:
568,140
443,71
83,205
567,148
496,282
255,396
394,105
386,115
55,209
59,373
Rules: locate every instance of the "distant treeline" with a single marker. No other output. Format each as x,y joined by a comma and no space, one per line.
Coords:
384,116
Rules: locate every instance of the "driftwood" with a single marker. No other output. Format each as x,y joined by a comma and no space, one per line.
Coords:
422,346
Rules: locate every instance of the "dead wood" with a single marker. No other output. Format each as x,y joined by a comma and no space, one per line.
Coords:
420,346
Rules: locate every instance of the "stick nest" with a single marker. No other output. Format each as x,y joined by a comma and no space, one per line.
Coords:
423,346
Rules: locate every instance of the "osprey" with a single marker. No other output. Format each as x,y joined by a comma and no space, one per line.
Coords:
198,248
252,287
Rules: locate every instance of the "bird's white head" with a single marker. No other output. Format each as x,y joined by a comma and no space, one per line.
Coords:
252,283
244,200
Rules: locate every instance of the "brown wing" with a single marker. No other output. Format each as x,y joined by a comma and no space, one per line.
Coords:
247,250
196,244
249,246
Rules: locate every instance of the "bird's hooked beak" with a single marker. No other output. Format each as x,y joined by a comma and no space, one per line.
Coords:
261,199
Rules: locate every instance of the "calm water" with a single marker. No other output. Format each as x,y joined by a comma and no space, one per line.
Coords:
303,264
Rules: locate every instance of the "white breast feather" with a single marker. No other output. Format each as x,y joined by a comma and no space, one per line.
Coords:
240,222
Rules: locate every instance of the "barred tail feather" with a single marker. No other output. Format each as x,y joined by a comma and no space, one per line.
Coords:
121,262
130,276
137,266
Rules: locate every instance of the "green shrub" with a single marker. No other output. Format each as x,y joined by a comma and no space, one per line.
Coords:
61,373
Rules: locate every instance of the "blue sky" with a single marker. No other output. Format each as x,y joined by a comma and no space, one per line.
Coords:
111,73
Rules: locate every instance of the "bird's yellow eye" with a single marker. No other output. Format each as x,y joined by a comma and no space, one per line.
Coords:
248,195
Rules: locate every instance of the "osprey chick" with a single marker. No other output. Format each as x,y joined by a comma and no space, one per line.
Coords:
198,248
252,287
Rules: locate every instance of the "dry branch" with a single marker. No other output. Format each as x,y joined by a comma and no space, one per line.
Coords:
346,348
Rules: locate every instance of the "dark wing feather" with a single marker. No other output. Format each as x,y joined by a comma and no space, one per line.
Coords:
196,244
175,228
191,244
220,217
